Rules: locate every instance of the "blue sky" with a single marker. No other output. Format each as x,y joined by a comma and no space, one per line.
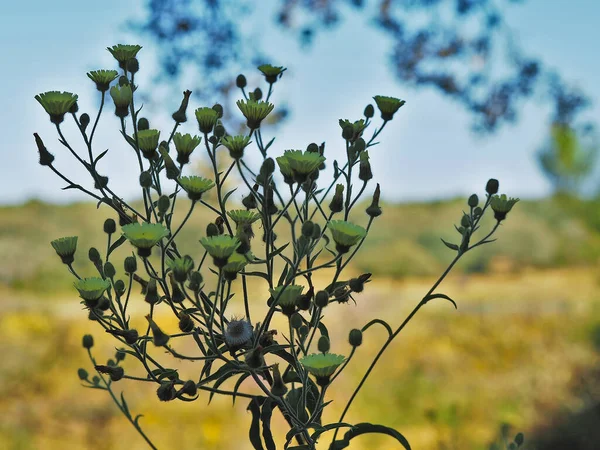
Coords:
426,152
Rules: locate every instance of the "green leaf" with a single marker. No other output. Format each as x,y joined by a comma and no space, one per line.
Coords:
434,296
254,433
116,245
228,195
449,245
100,156
365,428
265,417
238,383
323,329
381,322
283,275
125,407
323,429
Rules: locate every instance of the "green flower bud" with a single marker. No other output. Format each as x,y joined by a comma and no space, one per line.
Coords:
143,124
323,344
322,299
254,358
312,148
130,336
120,355
374,210
296,321
84,121
477,211
278,388
189,388
94,255
130,264
82,374
88,341
473,201
146,180
364,171
163,204
151,292
159,338
195,281
492,186
369,111
170,167
249,201
219,131
46,158
303,331
219,109
110,226
465,221
348,132
109,270
114,372
120,287
186,324
212,230
308,228
337,202
179,116
177,295
355,338
240,81
166,392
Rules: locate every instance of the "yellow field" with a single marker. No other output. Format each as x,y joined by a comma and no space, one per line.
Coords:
513,352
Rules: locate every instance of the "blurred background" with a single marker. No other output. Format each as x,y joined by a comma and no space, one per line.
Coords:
494,88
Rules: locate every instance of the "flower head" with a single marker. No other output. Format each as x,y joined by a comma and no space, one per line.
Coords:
148,141
501,205
345,234
103,78
144,236
238,333
388,106
123,53
236,145
207,119
122,97
322,365
271,73
354,130
65,248
181,267
91,289
235,264
243,217
195,186
287,296
56,104
220,247
254,111
300,164
185,145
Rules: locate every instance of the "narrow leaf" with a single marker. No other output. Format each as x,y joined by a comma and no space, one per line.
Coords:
364,428
445,297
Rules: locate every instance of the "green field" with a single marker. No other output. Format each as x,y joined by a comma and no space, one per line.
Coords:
517,350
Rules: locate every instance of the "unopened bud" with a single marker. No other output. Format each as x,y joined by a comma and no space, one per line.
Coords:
322,299
159,338
166,391
143,124
186,324
46,158
88,341
109,270
145,180
240,81
82,374
355,338
163,204
307,229
337,202
369,111
130,264
492,186
473,201
323,344
110,226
